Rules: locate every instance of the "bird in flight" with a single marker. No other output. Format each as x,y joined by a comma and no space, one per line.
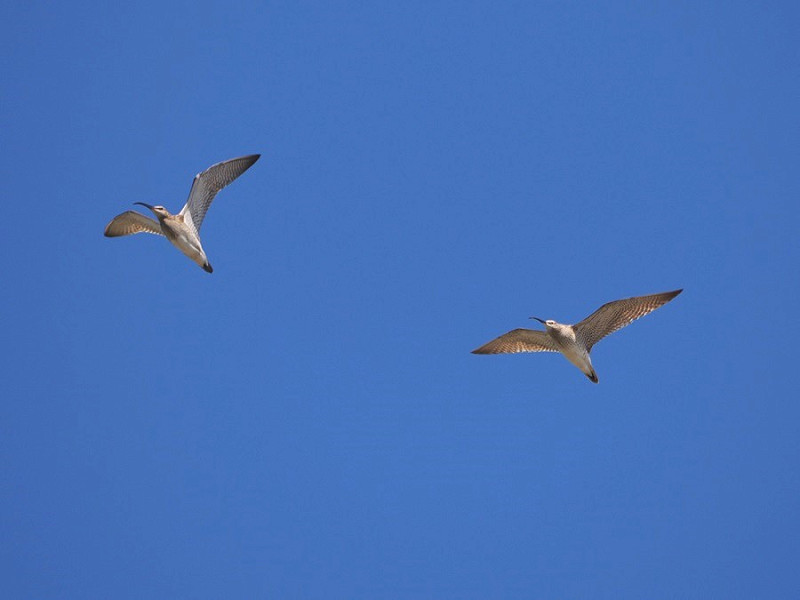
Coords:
183,229
576,341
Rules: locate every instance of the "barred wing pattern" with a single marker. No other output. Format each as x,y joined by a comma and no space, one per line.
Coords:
206,185
615,315
518,340
131,222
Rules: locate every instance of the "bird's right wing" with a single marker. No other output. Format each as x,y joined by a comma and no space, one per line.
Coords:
131,222
615,315
519,340
206,185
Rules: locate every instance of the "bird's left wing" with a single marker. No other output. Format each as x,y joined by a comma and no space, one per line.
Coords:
617,314
518,340
206,185
131,222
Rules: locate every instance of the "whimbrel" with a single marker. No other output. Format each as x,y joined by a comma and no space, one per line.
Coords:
576,341
183,229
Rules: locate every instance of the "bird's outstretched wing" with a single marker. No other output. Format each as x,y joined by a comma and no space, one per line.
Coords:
615,315
132,222
518,340
206,185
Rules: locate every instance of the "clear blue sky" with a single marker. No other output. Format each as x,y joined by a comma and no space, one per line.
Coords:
308,421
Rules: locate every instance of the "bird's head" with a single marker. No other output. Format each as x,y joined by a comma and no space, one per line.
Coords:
547,323
159,210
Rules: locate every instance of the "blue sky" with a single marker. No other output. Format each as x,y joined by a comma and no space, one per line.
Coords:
308,421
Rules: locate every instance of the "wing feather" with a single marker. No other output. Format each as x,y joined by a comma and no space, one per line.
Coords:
518,340
206,185
617,314
131,222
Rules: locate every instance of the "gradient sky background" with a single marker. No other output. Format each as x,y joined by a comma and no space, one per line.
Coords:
308,421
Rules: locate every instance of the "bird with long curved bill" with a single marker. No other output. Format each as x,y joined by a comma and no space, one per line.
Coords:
576,341
183,229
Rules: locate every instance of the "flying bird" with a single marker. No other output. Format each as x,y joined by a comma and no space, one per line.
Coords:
575,341
183,229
